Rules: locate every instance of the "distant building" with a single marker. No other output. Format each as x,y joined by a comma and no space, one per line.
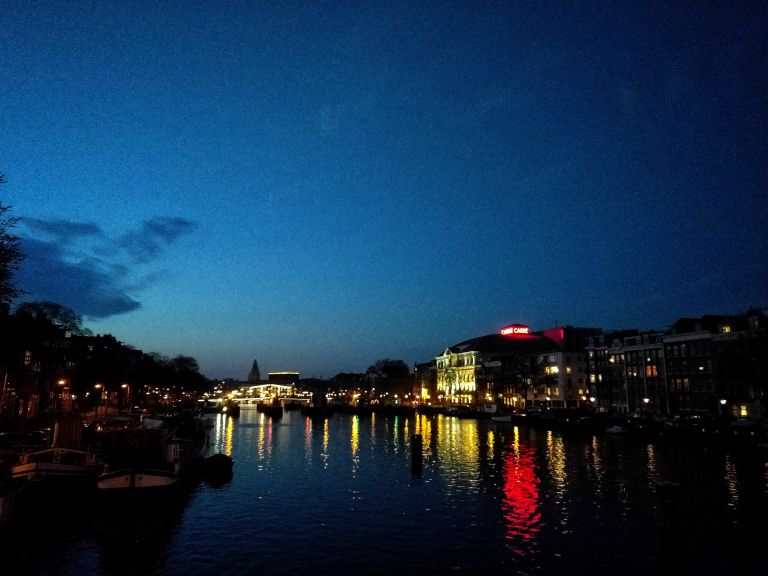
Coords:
254,375
283,378
425,382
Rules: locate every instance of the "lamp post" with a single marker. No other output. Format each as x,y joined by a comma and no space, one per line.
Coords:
60,396
127,388
100,388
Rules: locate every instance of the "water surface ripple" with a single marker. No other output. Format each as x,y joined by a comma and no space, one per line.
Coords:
339,496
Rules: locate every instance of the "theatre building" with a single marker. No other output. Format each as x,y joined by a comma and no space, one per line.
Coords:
516,368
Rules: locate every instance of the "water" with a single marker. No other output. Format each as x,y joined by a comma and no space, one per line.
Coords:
339,497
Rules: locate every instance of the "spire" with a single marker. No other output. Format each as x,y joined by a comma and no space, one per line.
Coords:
254,375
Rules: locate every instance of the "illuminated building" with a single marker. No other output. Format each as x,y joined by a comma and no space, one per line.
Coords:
718,364
712,364
517,368
606,375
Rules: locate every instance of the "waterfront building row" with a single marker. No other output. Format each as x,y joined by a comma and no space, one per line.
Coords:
713,364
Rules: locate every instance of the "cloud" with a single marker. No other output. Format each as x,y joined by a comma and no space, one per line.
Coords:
77,265
155,235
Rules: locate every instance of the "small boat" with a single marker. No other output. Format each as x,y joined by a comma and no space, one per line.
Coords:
505,418
317,411
272,409
218,466
617,429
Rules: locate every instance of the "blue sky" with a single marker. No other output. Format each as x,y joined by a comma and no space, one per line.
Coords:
322,184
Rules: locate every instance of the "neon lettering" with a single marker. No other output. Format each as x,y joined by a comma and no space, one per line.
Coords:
515,329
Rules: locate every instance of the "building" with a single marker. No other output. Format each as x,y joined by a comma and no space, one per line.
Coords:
516,368
713,364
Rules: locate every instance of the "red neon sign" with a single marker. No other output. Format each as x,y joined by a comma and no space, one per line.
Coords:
514,329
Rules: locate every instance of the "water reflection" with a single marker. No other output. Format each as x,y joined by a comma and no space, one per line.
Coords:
222,434
355,443
491,499
520,504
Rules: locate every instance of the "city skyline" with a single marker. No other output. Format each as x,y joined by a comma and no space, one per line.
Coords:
323,186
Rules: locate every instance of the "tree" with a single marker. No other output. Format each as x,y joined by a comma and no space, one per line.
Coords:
10,253
63,317
391,376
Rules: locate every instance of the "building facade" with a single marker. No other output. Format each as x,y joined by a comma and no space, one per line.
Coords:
516,368
714,364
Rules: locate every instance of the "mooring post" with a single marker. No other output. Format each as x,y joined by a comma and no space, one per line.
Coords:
416,454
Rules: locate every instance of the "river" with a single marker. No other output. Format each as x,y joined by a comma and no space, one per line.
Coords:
340,496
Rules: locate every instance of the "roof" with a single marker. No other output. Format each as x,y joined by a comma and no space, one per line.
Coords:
498,344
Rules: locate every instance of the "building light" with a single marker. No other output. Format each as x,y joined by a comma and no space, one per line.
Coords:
515,330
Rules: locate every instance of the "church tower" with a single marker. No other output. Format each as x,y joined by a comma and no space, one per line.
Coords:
254,375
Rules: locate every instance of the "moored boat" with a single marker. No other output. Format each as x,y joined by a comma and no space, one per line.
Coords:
137,478
56,465
503,418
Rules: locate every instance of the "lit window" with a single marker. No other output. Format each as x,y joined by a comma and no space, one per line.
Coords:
567,369
726,329
592,378
743,411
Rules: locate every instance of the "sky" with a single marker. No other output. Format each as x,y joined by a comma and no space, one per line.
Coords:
319,185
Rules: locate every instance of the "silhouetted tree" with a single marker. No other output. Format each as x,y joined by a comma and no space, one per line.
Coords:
10,253
63,317
390,376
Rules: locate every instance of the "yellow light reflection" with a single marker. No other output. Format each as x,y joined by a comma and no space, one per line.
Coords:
229,431
325,436
491,444
556,465
355,439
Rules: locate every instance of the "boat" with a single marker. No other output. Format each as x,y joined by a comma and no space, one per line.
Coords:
218,467
137,478
317,411
617,429
56,465
272,409
152,457
318,407
504,418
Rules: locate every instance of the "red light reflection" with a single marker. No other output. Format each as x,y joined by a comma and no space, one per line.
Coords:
521,498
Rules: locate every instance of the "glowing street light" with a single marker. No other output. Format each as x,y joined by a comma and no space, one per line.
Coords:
127,388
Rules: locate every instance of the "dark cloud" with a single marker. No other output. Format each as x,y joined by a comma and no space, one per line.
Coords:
154,236
75,264
63,231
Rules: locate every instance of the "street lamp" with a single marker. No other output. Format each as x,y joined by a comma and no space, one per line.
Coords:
62,383
100,388
127,388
